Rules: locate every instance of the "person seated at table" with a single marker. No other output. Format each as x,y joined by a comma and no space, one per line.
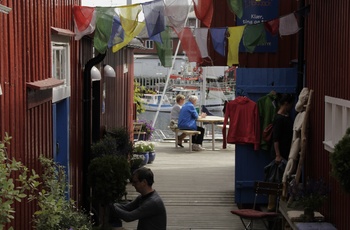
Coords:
188,120
174,116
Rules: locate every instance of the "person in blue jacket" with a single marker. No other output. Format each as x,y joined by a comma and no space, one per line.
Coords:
188,120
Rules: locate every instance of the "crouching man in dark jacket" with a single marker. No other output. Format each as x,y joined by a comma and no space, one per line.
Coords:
148,207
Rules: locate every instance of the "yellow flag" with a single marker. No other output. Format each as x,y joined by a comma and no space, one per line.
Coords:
235,36
130,23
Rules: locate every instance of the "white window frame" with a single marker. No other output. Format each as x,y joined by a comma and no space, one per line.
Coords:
337,121
149,44
60,44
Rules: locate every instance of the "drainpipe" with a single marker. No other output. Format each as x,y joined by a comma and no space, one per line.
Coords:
301,64
87,111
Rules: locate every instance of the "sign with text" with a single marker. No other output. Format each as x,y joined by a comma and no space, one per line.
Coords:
258,11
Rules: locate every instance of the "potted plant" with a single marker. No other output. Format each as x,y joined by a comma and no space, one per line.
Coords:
150,148
340,161
309,196
108,176
109,171
140,148
147,128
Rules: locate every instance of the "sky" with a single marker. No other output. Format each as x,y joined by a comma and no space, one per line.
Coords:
110,2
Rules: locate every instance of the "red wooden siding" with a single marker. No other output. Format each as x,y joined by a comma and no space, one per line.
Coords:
119,90
287,45
327,72
26,57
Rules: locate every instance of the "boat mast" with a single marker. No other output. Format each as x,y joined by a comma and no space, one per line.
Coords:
169,73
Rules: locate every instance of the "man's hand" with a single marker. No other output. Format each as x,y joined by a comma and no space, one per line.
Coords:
278,159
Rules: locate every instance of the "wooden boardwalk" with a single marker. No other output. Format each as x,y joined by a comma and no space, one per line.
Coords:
197,188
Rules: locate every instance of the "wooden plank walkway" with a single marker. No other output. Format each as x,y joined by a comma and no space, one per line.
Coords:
197,188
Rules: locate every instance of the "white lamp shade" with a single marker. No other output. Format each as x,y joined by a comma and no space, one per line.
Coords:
95,74
0,90
108,71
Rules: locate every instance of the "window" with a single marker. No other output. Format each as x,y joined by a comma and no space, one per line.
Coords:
149,44
59,61
60,66
337,120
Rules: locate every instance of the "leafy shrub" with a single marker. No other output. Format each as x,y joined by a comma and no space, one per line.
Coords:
11,171
340,161
108,175
56,212
122,138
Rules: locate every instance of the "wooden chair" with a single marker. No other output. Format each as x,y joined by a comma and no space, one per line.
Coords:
138,131
248,216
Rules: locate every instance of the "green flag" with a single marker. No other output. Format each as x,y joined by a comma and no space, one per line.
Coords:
236,7
253,36
104,22
164,49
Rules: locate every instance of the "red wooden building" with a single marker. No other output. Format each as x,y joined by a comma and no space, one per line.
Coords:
44,92
326,52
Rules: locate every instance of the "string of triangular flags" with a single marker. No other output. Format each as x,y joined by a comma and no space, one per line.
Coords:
115,27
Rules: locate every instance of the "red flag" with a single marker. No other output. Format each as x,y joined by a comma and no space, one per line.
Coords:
204,11
272,26
190,46
83,16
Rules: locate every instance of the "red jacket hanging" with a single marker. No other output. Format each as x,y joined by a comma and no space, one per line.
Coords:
243,116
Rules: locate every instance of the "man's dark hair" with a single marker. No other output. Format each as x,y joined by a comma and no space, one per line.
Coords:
286,98
144,173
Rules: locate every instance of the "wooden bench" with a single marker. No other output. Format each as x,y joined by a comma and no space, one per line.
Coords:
190,133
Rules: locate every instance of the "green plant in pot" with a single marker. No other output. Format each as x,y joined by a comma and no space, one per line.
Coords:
150,148
140,148
340,161
109,171
309,196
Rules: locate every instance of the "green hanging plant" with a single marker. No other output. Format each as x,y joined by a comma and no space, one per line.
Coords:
137,97
340,161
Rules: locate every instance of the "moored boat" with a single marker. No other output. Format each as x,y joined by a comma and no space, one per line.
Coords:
151,102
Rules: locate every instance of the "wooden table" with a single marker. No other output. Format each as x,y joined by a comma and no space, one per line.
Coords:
212,120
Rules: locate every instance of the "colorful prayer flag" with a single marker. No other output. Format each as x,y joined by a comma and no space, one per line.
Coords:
189,44
201,36
154,18
130,23
272,26
103,31
236,6
218,37
253,36
117,35
84,21
177,13
288,25
234,38
164,49
204,11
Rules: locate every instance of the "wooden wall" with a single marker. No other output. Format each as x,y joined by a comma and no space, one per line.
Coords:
327,58
26,57
120,90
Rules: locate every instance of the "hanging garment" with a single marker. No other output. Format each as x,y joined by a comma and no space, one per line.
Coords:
267,107
242,114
